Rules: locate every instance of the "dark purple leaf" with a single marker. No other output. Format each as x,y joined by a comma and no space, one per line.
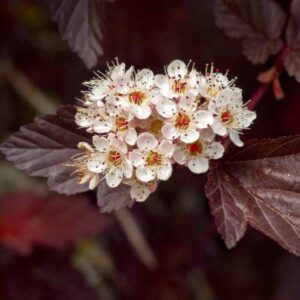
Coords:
292,58
113,199
249,20
79,23
261,182
43,148
229,219
27,220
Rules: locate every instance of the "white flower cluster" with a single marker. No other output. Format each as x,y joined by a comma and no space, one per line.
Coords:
142,124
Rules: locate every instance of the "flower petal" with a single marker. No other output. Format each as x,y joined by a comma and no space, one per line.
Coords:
139,192
146,141
198,165
136,158
101,144
180,156
114,177
127,169
203,119
235,138
119,145
165,172
166,148
145,174
141,111
166,108
187,103
97,163
102,126
177,69
215,150
131,136
218,128
169,131
189,136
145,78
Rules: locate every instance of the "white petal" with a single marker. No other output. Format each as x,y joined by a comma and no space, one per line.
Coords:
187,103
136,158
166,148
114,177
145,78
97,163
141,111
131,136
165,172
198,165
165,86
180,156
83,119
102,126
177,69
235,137
127,169
146,141
160,80
169,131
166,108
218,128
193,78
119,145
100,143
145,174
189,136
94,182
215,150
203,119
139,192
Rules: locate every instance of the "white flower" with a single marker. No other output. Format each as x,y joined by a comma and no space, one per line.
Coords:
151,159
116,80
212,83
197,154
187,121
109,159
230,114
138,99
177,81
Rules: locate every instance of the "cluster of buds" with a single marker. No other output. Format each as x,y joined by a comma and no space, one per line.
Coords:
142,124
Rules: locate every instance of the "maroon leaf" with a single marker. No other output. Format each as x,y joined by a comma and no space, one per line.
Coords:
57,221
230,220
113,199
261,184
79,23
292,58
43,148
249,20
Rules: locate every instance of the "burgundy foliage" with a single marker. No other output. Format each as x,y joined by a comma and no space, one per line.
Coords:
57,221
249,20
79,23
292,58
45,147
259,184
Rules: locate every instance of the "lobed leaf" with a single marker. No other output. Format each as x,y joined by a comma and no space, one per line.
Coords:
45,147
291,60
249,20
57,221
259,184
79,23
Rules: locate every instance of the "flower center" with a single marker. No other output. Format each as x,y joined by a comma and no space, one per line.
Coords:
137,97
179,86
156,126
212,91
114,158
194,149
182,121
226,117
154,159
121,124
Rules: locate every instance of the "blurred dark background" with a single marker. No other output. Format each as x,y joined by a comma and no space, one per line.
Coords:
37,73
